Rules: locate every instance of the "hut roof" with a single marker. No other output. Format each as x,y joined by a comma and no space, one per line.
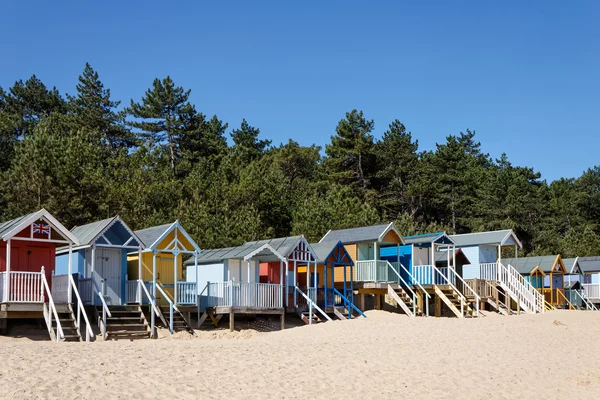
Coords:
371,233
498,238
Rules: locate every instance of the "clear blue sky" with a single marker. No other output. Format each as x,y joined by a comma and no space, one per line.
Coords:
524,75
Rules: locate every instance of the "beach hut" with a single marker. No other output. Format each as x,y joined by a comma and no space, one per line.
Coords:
546,275
159,267
299,258
590,268
27,263
416,262
497,283
100,271
229,283
333,279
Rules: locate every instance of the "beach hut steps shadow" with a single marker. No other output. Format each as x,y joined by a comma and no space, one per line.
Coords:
180,323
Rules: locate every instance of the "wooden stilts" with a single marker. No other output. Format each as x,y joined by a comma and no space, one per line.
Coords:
232,321
282,321
438,307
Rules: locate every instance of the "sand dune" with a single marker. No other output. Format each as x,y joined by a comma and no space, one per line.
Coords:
555,355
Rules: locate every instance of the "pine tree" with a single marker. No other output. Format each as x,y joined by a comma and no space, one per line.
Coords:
351,154
96,111
165,116
246,143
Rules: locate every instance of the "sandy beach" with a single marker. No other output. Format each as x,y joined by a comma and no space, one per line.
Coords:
554,355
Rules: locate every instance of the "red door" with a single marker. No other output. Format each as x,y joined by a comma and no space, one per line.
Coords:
38,257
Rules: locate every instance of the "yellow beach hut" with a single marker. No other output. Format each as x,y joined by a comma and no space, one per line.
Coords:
160,267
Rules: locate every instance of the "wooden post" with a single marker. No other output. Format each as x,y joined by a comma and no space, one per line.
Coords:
7,280
287,284
153,302
283,320
175,295
438,306
231,321
295,283
377,301
325,281
197,280
70,272
140,279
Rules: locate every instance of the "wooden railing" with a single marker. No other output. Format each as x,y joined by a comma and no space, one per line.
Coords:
52,313
243,294
372,271
186,293
89,333
132,292
24,287
518,288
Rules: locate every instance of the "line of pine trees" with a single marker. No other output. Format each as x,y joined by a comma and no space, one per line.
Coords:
85,157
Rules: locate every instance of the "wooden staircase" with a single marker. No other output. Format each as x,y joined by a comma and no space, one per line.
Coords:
180,324
66,317
453,301
405,301
126,322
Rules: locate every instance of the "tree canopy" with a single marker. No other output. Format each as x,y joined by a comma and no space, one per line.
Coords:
85,157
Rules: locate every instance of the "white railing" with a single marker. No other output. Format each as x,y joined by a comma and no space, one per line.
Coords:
520,288
100,292
60,288
372,271
414,282
52,307
86,290
131,291
311,305
186,293
488,271
592,291
89,333
428,275
312,294
24,287
172,307
400,279
466,289
243,294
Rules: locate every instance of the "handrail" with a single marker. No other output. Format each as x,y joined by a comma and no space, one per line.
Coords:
414,296
88,328
59,330
465,284
105,310
415,280
172,307
349,302
571,306
147,293
311,303
586,300
536,302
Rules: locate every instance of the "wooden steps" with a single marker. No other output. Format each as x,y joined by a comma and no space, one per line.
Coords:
305,316
67,323
180,324
453,301
125,322
405,301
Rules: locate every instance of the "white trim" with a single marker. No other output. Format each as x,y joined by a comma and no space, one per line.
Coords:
43,214
390,227
38,240
325,236
249,256
106,239
171,228
508,235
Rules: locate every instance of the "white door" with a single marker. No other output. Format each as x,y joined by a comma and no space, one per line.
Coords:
108,266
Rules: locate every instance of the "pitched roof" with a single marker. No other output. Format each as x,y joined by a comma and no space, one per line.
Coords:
87,233
501,237
7,226
362,234
572,265
284,246
262,252
435,237
149,236
324,249
525,265
589,264
10,228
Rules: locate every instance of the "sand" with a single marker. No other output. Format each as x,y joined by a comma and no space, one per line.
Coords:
555,355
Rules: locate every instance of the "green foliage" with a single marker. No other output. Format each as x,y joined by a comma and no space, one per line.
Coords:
78,158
